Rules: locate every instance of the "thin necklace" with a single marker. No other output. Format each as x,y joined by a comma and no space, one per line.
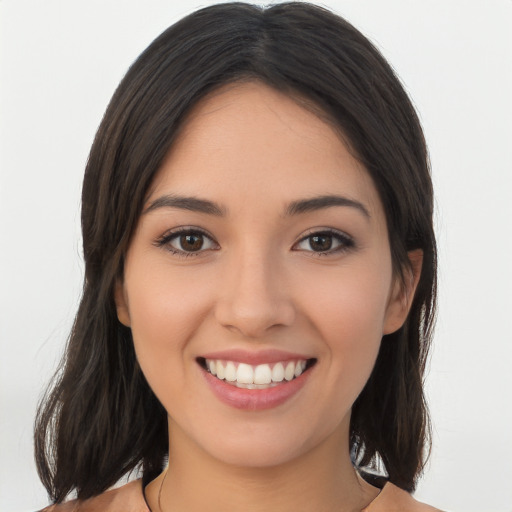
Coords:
160,490
167,470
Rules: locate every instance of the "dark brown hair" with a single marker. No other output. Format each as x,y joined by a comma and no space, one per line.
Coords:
100,419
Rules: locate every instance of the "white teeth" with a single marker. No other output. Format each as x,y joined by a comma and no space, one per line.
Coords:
220,370
245,374
260,376
230,373
289,372
256,386
278,373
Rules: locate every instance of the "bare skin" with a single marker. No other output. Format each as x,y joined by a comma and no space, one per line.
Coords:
195,482
257,278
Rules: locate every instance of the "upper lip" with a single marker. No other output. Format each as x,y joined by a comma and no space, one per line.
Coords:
255,357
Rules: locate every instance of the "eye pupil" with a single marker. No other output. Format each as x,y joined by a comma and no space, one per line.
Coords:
321,242
191,242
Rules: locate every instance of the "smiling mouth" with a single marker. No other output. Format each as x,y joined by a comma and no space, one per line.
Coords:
261,376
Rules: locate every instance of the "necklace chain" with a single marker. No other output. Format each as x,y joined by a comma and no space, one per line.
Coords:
167,470
160,490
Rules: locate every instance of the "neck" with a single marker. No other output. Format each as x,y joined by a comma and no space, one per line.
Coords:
321,480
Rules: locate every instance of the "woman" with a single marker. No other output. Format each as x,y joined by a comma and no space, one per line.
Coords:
260,278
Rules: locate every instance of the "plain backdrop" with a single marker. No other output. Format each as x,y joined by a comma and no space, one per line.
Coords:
60,63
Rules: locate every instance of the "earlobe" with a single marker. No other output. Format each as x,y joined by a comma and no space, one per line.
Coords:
403,293
123,313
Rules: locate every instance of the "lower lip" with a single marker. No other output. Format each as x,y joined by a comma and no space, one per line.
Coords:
255,399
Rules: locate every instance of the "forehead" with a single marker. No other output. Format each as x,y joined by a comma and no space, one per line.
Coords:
259,142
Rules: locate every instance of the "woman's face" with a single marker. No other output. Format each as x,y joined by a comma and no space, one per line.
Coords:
262,254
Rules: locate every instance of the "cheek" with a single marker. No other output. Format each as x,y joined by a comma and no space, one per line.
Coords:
347,311
164,316
349,304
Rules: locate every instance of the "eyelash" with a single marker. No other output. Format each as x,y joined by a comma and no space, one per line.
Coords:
344,241
166,239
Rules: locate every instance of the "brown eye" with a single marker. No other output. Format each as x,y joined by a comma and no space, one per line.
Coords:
187,242
325,242
320,243
191,242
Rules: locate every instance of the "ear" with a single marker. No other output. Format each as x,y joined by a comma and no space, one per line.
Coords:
402,294
123,313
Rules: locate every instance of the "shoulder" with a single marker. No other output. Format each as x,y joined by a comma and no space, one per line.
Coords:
128,498
394,499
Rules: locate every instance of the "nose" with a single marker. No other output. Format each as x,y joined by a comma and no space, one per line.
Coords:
254,297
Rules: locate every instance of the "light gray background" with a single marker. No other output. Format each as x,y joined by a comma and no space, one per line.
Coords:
60,62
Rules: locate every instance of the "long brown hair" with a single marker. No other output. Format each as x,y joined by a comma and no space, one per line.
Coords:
99,420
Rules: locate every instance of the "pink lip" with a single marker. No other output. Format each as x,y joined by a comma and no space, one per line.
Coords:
254,399
254,358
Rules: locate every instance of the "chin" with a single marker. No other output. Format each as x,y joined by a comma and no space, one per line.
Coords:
263,444
258,453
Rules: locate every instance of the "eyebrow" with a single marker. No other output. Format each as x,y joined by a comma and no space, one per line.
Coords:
321,202
294,208
193,204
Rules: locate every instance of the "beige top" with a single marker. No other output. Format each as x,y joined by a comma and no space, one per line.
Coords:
130,498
